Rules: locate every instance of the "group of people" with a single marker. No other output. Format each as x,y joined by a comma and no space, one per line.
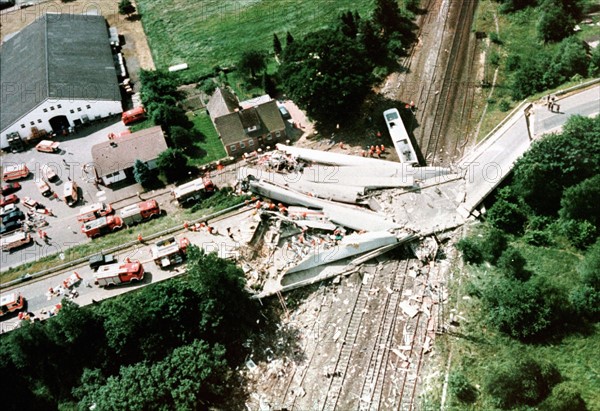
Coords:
373,151
551,105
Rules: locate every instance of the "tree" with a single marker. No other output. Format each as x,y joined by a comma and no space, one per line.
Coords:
586,296
570,59
168,115
126,7
509,6
512,264
555,23
158,87
580,202
253,62
277,49
142,173
594,66
556,162
471,250
181,137
327,74
289,39
373,45
521,381
173,163
390,19
522,310
580,233
184,380
220,285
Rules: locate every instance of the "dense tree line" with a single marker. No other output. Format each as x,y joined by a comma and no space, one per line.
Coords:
169,345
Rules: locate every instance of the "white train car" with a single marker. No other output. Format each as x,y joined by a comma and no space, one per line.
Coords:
400,138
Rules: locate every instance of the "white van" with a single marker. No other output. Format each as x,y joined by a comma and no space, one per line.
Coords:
71,194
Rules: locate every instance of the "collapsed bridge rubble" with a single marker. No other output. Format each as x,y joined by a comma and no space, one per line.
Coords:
324,214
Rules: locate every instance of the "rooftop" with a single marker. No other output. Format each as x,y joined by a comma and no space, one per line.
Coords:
59,56
115,155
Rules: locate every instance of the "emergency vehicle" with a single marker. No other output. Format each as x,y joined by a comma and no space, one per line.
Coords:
15,240
93,211
9,303
194,190
133,115
15,172
170,251
102,225
121,273
136,213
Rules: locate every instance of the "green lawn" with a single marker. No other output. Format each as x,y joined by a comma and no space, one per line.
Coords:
207,33
211,145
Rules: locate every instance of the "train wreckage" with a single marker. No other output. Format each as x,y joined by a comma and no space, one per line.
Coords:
320,214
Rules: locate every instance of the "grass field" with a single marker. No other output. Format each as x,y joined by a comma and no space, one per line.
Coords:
211,145
207,33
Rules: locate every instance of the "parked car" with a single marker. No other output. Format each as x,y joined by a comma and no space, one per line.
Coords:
7,209
48,146
9,227
284,113
98,260
44,188
10,188
9,199
16,215
49,173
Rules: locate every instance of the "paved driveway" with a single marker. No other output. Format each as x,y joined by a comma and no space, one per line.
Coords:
63,229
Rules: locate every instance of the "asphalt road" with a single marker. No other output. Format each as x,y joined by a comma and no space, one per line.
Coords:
487,166
36,292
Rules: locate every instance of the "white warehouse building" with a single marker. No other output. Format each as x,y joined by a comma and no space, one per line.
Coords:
57,73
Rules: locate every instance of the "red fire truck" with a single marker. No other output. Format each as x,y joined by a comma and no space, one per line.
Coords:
170,251
11,302
102,225
93,211
121,273
136,213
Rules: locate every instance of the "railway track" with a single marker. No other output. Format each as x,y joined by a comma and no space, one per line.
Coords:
372,388
447,86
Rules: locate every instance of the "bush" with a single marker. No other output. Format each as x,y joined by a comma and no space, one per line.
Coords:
579,233
493,244
522,310
564,397
586,302
471,251
208,86
495,38
507,216
538,238
461,388
521,381
580,202
504,106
